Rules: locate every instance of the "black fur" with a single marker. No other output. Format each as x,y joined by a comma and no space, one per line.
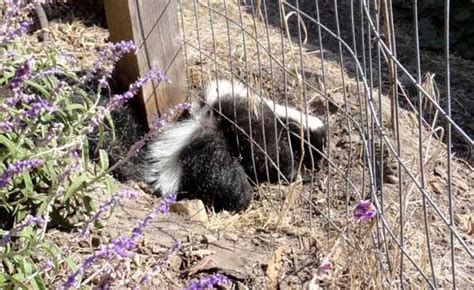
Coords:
211,173
250,135
258,138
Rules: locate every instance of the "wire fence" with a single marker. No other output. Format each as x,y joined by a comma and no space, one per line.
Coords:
393,136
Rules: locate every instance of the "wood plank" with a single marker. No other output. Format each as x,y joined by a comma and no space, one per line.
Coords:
153,26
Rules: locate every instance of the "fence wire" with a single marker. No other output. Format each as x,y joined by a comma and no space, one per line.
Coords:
392,134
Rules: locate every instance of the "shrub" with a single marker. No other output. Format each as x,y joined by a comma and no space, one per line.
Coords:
48,114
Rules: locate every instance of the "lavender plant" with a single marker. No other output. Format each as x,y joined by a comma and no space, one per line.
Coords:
124,246
48,113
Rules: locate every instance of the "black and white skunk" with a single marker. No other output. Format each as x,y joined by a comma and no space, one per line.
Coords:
230,141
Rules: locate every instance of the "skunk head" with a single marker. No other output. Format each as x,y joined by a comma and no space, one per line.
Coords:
263,134
310,127
218,92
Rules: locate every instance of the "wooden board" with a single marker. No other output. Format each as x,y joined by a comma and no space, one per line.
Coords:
153,26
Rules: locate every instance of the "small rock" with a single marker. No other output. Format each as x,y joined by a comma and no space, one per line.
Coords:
194,209
208,239
175,263
231,236
391,179
96,241
437,187
224,261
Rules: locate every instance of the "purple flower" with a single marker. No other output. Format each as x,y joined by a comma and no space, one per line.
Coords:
96,119
75,166
118,100
325,266
17,168
155,127
208,282
48,72
120,247
15,21
6,127
71,59
163,208
37,108
166,202
156,268
113,53
21,74
117,247
29,221
18,97
365,210
47,265
124,245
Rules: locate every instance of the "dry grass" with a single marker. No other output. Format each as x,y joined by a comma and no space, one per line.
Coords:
235,44
71,38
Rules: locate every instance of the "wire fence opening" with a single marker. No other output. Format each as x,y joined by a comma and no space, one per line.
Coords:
398,131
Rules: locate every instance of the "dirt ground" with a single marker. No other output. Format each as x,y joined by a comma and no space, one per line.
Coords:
281,240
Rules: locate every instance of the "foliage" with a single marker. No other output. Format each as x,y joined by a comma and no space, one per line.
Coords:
48,112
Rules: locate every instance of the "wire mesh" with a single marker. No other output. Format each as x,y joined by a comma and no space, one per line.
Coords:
358,66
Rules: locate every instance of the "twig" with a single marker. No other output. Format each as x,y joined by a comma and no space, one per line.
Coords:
43,21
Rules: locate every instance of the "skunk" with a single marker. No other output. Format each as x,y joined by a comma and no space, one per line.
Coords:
231,140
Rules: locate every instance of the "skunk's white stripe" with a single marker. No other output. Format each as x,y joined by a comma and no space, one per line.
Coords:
222,88
164,170
294,115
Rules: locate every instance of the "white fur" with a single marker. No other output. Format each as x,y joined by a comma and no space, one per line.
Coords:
165,171
222,88
313,123
216,91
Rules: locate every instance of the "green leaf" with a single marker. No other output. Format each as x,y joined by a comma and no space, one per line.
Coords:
3,279
71,264
28,184
16,280
50,167
39,88
88,203
7,143
85,153
110,185
101,135
52,251
104,160
75,107
38,283
108,117
75,185
25,265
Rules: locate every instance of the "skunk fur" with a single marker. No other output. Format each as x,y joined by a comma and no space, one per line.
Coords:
230,141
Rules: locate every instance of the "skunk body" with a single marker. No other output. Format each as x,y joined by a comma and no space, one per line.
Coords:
229,141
